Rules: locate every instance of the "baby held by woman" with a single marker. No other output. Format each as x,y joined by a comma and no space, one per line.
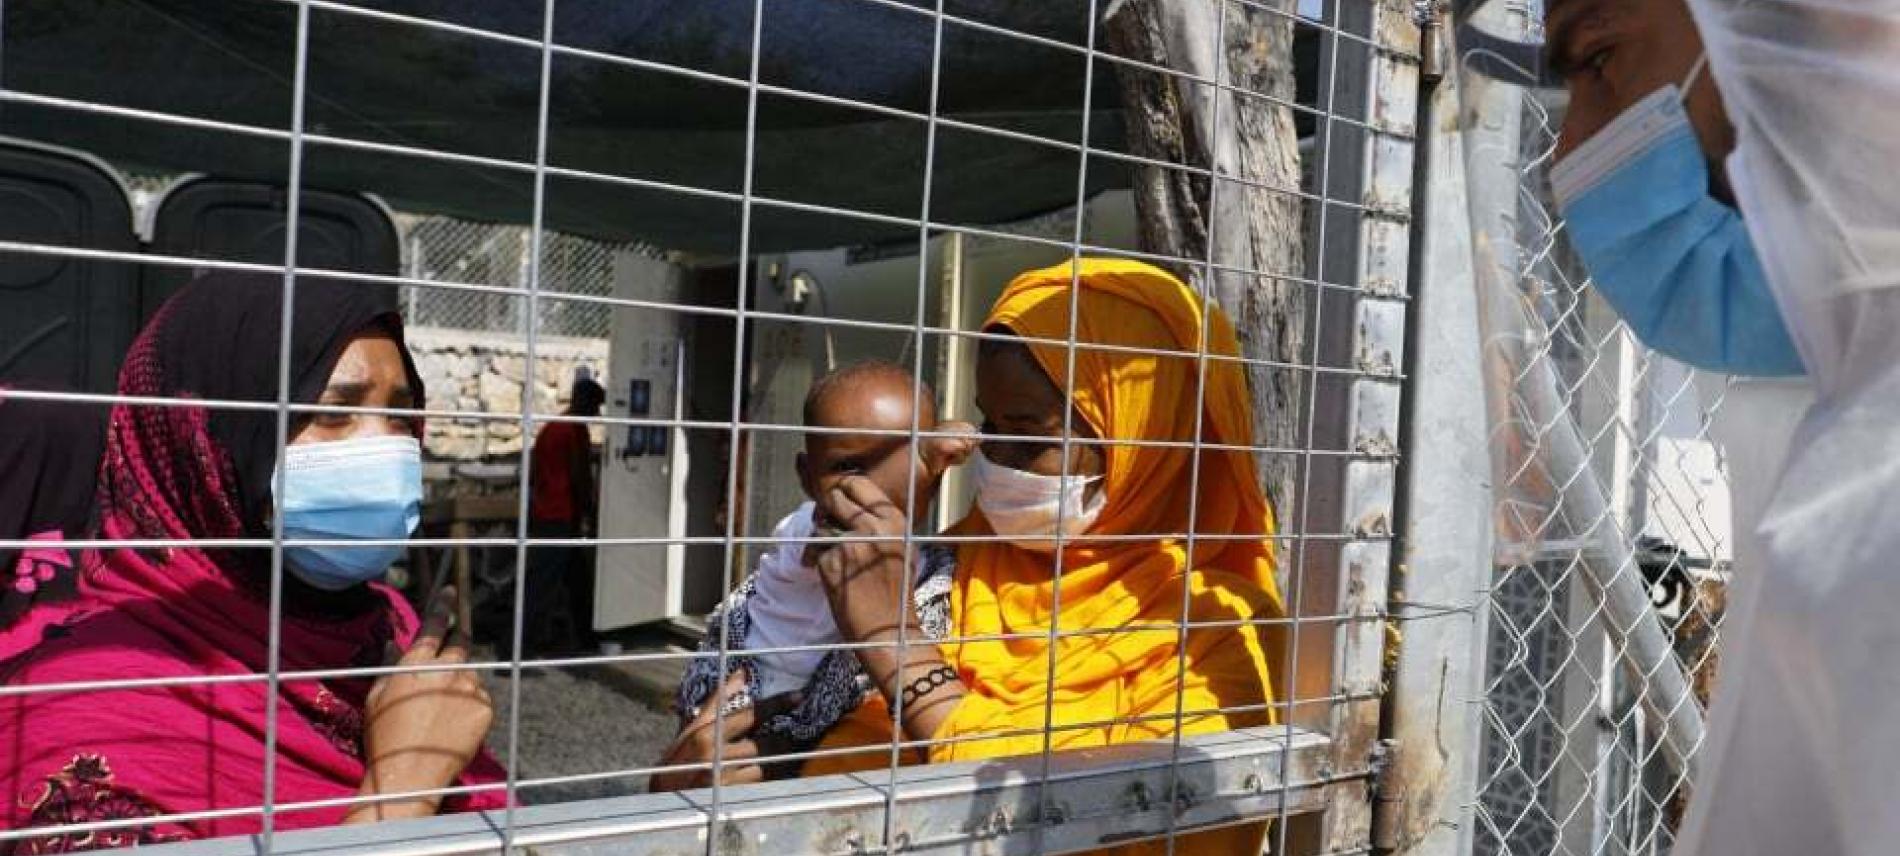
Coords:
785,605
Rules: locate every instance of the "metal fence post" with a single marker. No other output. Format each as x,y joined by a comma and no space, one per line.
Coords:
1436,672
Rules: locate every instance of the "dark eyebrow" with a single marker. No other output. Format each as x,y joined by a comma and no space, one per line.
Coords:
352,392
348,391
1562,19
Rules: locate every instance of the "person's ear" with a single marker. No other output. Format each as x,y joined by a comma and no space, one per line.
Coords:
804,476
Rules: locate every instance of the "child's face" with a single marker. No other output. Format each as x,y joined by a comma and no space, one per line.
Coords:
888,461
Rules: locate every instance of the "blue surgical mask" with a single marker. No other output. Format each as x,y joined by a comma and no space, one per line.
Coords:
368,488
1675,263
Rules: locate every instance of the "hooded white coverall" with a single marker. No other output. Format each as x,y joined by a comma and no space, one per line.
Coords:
1803,752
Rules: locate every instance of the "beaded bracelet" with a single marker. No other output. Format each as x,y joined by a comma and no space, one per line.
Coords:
924,685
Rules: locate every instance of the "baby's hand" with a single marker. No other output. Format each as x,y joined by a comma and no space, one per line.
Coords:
942,453
698,743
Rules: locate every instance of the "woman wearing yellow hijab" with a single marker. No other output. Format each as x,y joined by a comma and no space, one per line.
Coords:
991,697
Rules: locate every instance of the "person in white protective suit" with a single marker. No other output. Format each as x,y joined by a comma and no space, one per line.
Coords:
1746,148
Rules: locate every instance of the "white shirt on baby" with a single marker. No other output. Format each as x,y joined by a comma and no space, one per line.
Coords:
789,608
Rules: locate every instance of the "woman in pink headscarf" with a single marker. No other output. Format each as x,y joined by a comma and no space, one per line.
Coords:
134,756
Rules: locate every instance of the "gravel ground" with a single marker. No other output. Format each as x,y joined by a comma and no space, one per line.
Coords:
576,721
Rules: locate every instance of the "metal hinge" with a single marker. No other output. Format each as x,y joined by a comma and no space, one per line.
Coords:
1429,15
1379,762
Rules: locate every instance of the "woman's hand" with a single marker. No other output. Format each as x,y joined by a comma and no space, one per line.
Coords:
422,728
867,583
697,744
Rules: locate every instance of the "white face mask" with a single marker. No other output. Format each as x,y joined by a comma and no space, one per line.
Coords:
1026,507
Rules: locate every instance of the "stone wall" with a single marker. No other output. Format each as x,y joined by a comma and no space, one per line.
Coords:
483,372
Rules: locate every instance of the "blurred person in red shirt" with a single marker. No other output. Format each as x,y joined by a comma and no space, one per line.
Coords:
562,504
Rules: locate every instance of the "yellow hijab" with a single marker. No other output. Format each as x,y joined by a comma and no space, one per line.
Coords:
1120,687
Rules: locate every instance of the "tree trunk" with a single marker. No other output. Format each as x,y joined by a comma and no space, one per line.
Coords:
1253,228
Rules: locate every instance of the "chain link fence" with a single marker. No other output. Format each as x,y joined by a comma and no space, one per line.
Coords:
1612,545
451,249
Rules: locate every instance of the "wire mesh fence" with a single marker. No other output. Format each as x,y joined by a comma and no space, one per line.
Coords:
446,248
1153,614
735,202
1613,542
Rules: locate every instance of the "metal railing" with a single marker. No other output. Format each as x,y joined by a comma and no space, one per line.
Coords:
1084,801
